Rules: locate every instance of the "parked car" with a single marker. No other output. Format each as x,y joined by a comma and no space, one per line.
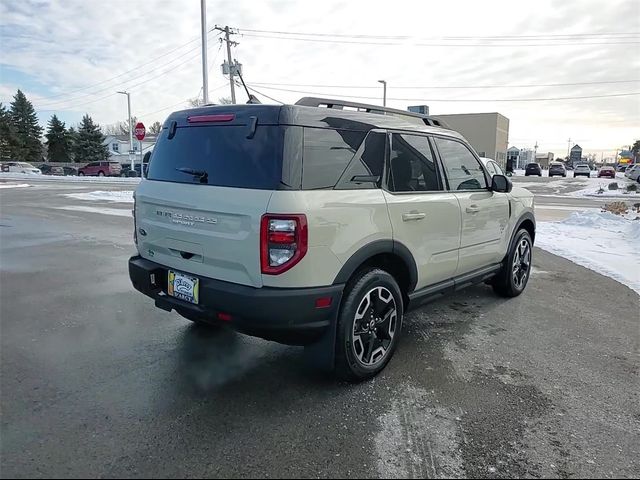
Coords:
101,169
127,172
492,166
327,238
581,169
70,171
557,168
533,169
607,172
622,167
633,172
51,170
21,167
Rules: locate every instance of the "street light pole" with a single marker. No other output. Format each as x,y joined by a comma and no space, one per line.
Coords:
384,95
131,157
205,70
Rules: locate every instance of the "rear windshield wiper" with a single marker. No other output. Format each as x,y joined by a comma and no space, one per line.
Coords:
202,175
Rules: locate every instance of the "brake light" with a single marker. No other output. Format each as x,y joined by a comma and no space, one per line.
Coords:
225,117
283,242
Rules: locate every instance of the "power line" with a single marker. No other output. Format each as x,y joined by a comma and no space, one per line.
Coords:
388,44
124,73
466,100
416,87
471,37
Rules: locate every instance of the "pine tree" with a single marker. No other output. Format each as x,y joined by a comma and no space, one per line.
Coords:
28,131
8,138
58,144
72,135
88,145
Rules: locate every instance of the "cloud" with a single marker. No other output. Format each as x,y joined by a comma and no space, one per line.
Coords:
54,50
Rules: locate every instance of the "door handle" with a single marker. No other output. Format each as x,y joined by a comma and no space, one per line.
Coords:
412,216
473,209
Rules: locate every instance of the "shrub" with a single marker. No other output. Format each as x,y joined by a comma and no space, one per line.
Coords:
632,187
617,208
613,186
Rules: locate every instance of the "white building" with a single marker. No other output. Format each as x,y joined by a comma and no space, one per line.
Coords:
519,157
118,146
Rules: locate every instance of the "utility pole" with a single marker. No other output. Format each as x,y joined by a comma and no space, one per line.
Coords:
568,148
205,70
131,156
227,32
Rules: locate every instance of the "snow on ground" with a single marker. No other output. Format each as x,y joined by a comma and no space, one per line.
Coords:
72,179
593,190
118,212
14,185
600,241
123,196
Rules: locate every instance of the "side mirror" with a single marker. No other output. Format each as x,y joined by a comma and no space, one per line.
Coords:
501,184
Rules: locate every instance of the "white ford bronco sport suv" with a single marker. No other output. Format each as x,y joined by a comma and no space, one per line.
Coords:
320,225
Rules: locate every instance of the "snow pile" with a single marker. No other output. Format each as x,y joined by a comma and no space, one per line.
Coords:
67,179
117,212
601,241
14,185
601,183
124,196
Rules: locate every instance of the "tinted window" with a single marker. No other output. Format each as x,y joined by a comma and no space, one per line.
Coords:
412,165
370,162
94,164
327,153
463,170
224,153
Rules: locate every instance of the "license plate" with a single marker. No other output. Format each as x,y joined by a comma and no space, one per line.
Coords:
183,287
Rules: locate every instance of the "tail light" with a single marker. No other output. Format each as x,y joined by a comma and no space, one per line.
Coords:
283,242
135,226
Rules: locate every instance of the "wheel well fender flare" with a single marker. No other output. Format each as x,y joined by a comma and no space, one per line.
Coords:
526,218
365,253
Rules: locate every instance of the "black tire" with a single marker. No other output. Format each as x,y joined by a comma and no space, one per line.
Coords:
101,173
81,174
509,283
363,358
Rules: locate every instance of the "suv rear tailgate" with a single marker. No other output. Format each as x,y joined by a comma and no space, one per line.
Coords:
205,230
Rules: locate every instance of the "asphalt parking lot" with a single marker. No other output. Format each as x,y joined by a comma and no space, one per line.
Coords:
96,382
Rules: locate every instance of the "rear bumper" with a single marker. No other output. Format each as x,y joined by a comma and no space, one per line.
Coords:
286,315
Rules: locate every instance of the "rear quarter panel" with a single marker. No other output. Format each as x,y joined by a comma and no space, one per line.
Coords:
340,222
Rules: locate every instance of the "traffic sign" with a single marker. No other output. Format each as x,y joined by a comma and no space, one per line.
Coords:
140,131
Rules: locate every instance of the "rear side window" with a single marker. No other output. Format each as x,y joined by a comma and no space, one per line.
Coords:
464,171
220,156
327,152
368,163
412,165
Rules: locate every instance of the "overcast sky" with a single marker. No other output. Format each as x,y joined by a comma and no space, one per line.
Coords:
71,56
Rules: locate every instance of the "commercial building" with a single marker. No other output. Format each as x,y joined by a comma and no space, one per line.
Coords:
544,159
576,155
488,133
520,157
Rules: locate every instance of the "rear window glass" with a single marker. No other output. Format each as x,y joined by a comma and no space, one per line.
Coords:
327,152
220,156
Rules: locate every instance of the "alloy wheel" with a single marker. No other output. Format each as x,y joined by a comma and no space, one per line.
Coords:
521,263
374,326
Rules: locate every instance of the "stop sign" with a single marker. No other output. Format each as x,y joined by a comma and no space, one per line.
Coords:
140,131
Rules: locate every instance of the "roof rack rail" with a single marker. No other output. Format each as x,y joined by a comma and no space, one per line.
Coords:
364,107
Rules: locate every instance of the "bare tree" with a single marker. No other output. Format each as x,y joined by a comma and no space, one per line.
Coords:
119,128
155,128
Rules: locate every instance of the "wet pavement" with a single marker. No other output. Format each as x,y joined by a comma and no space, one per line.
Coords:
97,382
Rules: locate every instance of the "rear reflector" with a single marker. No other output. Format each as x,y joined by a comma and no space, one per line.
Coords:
225,317
323,302
225,117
